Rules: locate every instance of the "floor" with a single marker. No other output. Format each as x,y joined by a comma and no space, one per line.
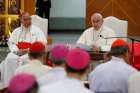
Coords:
68,37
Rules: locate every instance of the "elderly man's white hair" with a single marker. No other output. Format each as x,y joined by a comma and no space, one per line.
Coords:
26,15
97,16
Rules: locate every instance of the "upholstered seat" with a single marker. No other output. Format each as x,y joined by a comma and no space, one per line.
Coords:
42,23
119,26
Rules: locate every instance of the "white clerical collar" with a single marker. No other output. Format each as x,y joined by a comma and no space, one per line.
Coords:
58,69
118,59
36,62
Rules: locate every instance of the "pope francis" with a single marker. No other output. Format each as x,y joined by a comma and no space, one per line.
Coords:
94,37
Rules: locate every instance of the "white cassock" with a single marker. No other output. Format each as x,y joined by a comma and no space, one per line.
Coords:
68,85
134,83
52,76
92,37
111,77
12,61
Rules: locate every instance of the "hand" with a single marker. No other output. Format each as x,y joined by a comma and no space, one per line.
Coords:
23,51
95,48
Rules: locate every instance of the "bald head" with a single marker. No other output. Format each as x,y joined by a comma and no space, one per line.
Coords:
97,20
97,16
25,15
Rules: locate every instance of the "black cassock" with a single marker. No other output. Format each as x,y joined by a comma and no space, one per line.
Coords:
43,8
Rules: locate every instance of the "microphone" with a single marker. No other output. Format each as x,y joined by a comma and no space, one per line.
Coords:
130,38
102,36
113,37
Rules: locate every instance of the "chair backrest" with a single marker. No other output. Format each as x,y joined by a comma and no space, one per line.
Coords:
42,23
119,26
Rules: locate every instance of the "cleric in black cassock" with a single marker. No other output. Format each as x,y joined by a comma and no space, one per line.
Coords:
43,7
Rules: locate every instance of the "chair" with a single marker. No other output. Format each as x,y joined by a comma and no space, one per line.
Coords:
136,55
119,26
42,23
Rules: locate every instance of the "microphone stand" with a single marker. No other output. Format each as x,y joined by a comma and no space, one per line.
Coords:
133,49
